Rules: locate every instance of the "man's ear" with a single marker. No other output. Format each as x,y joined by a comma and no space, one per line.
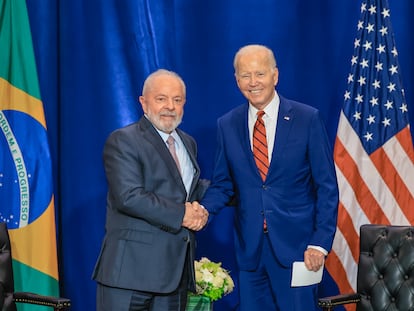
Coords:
143,103
276,73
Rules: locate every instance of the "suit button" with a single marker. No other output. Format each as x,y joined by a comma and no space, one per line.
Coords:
185,239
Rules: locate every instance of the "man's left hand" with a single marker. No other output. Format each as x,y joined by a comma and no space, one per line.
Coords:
314,259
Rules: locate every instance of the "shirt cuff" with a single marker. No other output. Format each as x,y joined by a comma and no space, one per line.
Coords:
321,249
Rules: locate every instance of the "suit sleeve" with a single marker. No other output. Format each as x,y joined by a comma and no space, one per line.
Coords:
325,184
130,175
220,191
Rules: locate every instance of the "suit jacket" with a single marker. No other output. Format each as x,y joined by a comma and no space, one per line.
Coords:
299,197
145,246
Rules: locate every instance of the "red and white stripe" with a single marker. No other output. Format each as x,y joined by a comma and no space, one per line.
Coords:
376,188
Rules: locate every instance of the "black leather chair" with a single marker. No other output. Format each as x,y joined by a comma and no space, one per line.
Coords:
8,297
385,279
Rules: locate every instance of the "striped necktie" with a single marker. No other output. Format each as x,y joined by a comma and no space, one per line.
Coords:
260,150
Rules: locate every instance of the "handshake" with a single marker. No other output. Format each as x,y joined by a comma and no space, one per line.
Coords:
195,217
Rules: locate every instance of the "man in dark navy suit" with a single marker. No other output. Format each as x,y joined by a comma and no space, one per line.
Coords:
146,260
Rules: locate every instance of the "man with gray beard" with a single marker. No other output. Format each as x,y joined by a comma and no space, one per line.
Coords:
146,260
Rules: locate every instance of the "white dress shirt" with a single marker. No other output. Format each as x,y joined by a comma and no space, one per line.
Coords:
187,167
270,120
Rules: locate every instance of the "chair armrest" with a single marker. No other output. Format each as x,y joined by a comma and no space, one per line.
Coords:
328,303
58,303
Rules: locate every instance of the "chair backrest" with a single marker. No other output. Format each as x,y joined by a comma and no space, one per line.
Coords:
6,271
385,278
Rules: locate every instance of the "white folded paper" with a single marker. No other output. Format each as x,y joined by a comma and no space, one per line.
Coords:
301,276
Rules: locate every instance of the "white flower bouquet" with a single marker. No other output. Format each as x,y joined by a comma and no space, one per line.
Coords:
212,280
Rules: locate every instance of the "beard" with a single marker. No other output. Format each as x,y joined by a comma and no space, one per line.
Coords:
166,126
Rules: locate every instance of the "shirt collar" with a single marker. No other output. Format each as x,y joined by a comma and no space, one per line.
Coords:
270,110
164,135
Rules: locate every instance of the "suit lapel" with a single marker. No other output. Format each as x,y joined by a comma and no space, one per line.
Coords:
152,136
241,123
192,154
283,127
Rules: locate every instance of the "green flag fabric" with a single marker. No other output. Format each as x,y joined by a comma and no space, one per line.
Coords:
26,186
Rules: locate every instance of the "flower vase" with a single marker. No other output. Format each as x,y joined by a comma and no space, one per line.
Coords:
199,303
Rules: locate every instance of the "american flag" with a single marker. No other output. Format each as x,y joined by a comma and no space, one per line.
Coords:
373,151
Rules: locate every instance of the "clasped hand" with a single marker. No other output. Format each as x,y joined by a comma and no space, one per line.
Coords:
195,217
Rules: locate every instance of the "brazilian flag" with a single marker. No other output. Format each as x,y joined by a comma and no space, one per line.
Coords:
26,185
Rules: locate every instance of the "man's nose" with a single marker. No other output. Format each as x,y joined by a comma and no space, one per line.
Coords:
170,104
253,80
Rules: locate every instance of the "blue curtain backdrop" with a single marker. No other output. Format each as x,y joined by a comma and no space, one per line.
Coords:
93,56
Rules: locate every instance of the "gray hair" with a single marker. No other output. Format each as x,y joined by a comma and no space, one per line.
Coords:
161,72
253,48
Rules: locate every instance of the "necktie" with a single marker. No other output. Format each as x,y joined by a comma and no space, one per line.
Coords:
260,145
260,150
171,147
